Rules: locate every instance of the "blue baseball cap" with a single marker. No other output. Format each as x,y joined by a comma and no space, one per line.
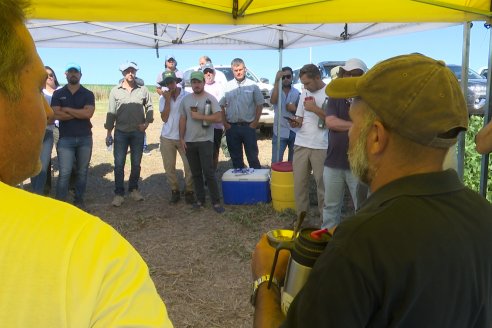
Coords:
72,66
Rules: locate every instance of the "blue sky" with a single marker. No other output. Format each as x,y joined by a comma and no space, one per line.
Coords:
100,66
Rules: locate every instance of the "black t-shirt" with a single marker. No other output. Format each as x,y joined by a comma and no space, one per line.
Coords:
64,98
336,154
417,254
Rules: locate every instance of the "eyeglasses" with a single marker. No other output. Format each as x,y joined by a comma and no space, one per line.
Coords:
353,73
208,71
50,75
286,77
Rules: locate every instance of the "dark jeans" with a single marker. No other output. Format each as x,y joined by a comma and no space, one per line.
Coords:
237,136
200,158
123,140
39,181
73,151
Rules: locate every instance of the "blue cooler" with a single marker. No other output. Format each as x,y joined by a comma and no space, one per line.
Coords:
249,186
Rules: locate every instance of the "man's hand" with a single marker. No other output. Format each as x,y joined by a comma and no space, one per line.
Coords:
310,104
142,127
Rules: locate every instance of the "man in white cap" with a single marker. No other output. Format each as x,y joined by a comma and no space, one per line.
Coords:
130,113
73,106
170,65
336,172
418,253
216,89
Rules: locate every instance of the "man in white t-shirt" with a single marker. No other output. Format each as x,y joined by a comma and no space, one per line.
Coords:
170,145
311,139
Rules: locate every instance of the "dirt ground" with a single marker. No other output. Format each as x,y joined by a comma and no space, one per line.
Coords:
199,260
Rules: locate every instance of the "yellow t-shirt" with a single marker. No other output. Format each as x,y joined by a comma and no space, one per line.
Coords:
61,267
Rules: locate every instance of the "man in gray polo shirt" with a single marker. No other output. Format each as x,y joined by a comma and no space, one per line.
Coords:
130,112
241,106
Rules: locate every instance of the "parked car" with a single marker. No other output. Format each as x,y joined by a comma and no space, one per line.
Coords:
265,123
483,71
324,67
477,90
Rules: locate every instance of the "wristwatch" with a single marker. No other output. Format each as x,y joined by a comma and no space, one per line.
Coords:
258,282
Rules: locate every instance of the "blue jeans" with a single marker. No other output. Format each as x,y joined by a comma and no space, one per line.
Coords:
70,150
334,181
38,182
284,143
123,140
238,135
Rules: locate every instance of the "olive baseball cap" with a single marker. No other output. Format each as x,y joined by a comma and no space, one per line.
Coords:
168,77
197,75
416,96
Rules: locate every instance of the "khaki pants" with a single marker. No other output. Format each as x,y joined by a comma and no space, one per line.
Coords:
169,148
305,161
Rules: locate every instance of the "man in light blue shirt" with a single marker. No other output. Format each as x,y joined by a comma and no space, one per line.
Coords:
241,107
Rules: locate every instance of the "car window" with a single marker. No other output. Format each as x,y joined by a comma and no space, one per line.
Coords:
471,73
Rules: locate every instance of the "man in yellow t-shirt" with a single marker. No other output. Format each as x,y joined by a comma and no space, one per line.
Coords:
59,266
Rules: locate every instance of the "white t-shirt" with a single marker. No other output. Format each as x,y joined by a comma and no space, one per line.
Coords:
170,129
309,135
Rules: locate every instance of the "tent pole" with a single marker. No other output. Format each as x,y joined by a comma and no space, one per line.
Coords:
279,102
484,162
464,86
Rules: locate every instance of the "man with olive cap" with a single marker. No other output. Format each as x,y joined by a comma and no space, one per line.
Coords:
73,106
130,113
418,253
169,103
336,171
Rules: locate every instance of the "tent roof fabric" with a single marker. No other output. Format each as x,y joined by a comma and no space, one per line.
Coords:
247,12
238,24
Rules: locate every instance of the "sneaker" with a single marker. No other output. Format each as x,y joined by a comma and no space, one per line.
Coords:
175,196
136,196
189,197
218,208
117,201
146,151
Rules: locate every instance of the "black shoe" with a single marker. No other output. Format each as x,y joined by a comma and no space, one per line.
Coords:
175,196
198,205
189,197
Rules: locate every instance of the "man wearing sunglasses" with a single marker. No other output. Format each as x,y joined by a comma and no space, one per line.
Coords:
281,126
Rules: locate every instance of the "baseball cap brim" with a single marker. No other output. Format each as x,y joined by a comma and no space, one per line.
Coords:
168,80
343,88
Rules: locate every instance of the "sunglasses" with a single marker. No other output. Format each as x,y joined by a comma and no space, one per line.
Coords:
286,77
50,75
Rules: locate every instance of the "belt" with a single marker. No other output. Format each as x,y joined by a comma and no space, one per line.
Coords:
240,123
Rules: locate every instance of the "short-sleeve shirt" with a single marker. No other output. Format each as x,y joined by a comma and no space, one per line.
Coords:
170,129
310,135
240,100
195,132
336,154
81,98
285,128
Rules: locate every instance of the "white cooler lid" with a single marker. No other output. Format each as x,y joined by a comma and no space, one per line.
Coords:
251,175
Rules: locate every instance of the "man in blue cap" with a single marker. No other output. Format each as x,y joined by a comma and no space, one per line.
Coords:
73,106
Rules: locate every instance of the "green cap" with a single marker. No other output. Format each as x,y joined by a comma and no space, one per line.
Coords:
197,75
414,95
